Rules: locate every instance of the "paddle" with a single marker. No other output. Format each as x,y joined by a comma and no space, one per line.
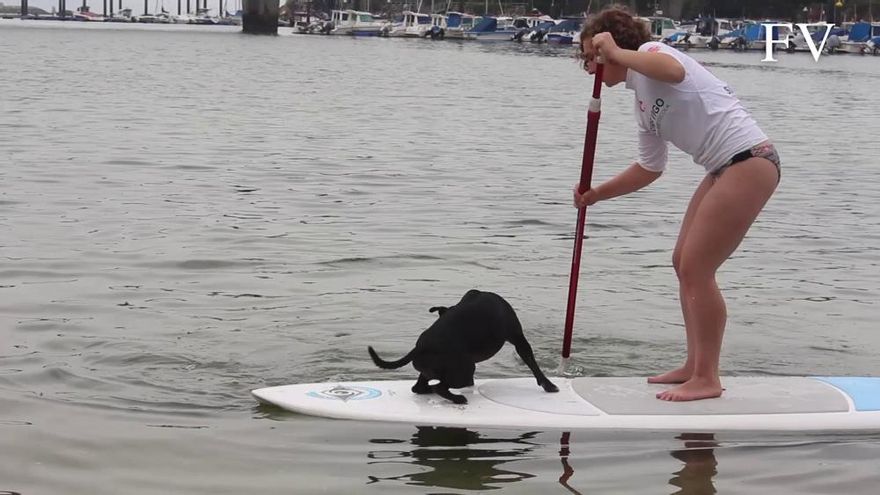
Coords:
593,112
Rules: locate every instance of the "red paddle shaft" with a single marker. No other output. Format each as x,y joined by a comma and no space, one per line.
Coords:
593,113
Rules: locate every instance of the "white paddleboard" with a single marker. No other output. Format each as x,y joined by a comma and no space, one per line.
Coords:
748,403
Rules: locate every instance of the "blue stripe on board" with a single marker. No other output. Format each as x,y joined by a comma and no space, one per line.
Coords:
863,390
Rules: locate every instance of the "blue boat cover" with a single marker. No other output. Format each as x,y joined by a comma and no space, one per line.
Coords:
755,32
734,34
453,20
567,25
860,31
820,33
487,25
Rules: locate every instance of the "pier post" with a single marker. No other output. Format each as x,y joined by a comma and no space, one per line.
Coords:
259,17
24,8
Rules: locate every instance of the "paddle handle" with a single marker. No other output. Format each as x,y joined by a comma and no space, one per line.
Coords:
593,113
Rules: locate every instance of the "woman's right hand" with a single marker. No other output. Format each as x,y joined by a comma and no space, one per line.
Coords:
606,47
586,199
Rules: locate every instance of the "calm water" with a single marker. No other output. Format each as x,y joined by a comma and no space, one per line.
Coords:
191,214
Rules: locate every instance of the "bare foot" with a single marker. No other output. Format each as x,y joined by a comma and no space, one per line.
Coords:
693,389
679,375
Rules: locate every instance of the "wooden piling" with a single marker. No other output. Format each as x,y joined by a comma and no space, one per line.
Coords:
259,17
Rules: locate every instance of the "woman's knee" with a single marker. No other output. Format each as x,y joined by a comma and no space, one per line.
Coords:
693,272
676,262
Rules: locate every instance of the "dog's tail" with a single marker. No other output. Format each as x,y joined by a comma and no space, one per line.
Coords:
390,365
438,309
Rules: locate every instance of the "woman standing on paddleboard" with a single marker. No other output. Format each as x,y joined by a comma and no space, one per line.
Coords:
678,101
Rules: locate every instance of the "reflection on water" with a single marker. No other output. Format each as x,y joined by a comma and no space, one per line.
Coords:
459,458
567,470
694,478
455,458
698,456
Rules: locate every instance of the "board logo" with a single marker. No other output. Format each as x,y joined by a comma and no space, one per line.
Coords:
346,393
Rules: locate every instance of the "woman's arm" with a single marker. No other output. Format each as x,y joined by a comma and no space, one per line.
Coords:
632,179
656,65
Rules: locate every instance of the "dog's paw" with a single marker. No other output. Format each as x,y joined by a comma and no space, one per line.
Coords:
549,386
459,399
419,388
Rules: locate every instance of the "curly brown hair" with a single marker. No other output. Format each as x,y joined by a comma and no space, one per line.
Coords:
627,31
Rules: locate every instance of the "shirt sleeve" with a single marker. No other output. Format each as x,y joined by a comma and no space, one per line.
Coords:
652,151
655,46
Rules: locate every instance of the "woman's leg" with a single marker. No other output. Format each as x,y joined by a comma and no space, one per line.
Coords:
683,374
720,223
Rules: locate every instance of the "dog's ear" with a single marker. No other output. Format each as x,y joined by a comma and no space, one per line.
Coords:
438,309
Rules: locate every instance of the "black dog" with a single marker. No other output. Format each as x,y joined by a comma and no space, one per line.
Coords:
471,331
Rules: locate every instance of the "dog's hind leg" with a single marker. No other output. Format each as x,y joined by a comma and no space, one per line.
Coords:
421,386
525,352
443,391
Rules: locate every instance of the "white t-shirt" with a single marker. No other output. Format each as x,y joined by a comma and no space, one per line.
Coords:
700,116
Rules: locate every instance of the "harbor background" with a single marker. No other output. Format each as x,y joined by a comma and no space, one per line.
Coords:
192,215
795,10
